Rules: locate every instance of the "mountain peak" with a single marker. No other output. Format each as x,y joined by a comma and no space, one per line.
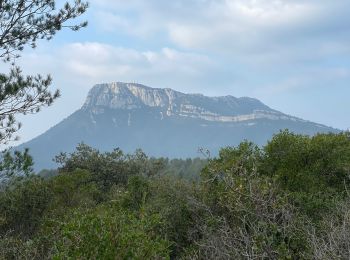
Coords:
168,102
163,122
120,95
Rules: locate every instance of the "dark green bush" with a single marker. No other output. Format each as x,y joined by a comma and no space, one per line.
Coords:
23,204
109,232
108,168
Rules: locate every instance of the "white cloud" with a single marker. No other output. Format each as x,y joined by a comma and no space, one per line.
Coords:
102,62
242,29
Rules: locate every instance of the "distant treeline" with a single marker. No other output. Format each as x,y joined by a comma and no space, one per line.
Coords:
189,168
286,200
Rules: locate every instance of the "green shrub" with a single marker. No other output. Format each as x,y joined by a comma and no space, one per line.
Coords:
76,189
109,232
23,204
315,170
177,202
108,168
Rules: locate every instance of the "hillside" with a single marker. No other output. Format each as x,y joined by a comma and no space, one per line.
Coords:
163,122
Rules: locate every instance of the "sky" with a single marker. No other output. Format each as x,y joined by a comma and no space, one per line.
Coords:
293,55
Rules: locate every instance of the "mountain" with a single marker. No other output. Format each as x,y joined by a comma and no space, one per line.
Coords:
163,122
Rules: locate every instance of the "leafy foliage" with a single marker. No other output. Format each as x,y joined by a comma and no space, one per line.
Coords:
21,95
25,22
22,206
109,233
16,164
108,168
315,170
287,200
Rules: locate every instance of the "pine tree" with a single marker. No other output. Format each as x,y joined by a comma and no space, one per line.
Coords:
23,23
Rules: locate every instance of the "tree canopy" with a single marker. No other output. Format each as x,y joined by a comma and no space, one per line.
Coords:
286,200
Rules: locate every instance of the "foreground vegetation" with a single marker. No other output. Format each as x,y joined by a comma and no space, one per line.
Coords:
287,200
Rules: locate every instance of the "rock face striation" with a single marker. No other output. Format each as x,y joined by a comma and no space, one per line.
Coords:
135,96
128,96
163,122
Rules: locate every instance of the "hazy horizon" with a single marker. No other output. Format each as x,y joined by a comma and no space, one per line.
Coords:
291,55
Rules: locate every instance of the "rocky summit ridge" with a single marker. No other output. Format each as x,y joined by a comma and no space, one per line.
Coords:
131,96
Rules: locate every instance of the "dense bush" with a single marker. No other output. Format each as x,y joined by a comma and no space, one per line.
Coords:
287,200
22,206
108,232
107,168
308,164
314,170
250,217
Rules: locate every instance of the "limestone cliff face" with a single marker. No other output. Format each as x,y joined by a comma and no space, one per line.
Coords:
129,96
